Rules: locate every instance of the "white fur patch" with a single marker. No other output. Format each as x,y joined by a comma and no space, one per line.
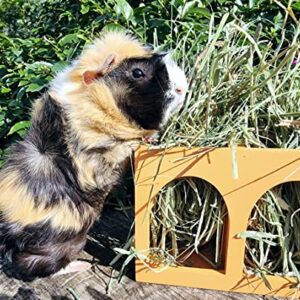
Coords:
177,80
39,163
62,85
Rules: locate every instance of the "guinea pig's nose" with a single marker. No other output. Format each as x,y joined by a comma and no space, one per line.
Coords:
180,90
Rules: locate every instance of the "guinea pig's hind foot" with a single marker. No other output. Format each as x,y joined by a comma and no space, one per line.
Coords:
75,266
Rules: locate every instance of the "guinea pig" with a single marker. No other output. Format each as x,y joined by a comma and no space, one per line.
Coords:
55,181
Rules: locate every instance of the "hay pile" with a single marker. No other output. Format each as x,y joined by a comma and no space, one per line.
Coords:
244,90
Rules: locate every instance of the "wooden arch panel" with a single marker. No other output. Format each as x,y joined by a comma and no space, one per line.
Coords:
256,171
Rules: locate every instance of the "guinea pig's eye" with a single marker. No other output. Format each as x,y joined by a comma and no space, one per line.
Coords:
137,73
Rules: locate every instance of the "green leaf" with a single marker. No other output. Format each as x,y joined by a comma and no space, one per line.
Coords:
187,8
39,64
17,52
67,39
296,5
84,9
200,12
5,90
112,26
125,9
3,36
59,66
34,87
19,126
23,82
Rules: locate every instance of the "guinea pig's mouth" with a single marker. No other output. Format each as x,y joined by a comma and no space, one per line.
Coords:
174,104
178,102
176,93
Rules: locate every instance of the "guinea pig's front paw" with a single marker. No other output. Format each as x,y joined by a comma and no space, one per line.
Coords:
76,266
151,138
120,152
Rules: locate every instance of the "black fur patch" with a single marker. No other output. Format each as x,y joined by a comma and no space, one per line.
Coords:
53,175
47,170
38,250
145,101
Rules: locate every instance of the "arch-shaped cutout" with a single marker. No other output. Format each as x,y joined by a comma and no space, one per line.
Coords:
188,224
272,235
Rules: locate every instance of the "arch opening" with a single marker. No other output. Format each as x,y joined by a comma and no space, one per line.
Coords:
272,235
188,224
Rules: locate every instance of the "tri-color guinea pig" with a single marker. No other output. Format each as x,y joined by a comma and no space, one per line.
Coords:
84,129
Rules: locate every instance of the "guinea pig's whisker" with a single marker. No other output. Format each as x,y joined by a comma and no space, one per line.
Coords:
158,81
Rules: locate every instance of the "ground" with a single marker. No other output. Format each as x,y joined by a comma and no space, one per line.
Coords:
97,283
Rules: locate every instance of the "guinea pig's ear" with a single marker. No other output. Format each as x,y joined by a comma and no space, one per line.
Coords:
90,75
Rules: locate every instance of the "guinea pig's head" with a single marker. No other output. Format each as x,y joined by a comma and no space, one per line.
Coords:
148,89
120,82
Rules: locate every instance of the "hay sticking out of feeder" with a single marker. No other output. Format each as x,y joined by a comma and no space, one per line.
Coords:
243,90
188,218
273,245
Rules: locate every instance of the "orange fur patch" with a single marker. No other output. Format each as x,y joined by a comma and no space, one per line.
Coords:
94,117
114,43
94,114
92,108
17,206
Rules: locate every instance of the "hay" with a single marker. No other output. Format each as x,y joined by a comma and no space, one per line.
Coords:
243,90
187,218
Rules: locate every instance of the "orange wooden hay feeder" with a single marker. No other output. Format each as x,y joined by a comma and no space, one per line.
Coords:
258,171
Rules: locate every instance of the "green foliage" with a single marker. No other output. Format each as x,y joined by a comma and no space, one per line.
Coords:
39,38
